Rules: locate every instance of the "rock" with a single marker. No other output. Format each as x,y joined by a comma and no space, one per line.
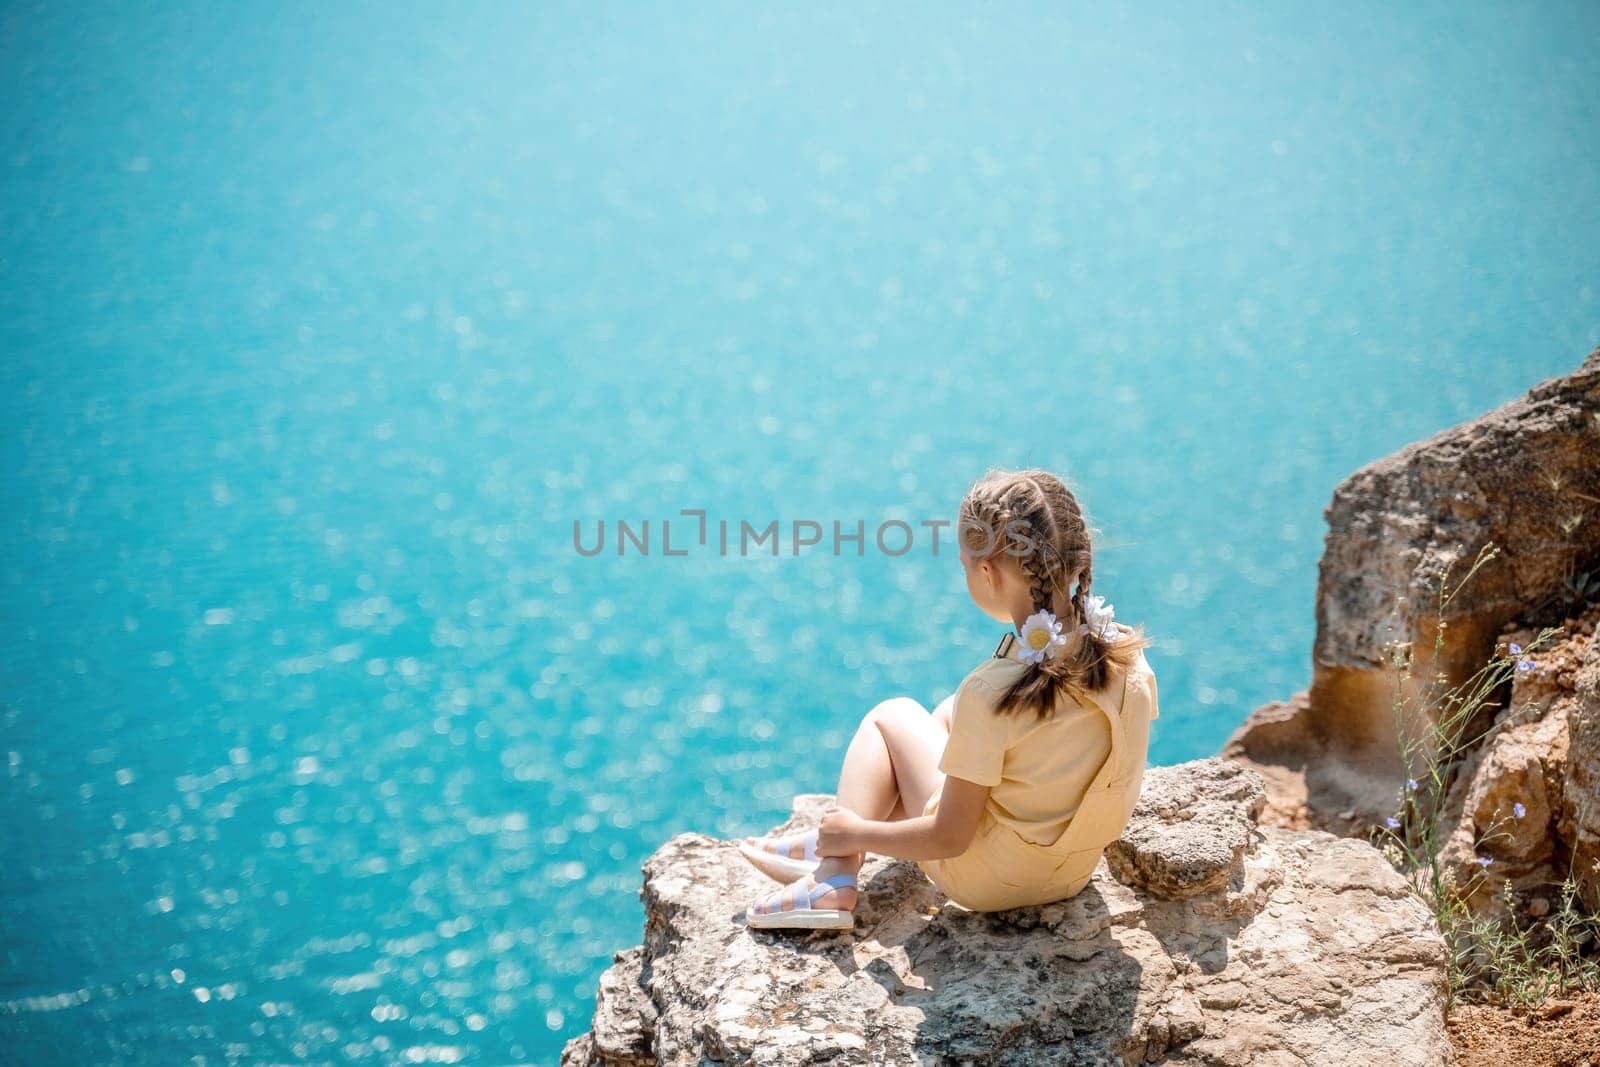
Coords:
1280,730
1191,830
624,1017
1579,825
1523,764
1540,753
1522,477
1265,946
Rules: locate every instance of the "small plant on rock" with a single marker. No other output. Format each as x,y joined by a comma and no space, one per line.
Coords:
1496,960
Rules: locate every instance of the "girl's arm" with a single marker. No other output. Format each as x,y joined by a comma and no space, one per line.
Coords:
947,832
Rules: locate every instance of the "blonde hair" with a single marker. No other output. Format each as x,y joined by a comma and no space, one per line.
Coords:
1034,518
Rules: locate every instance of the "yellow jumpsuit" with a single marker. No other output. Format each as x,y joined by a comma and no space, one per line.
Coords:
1060,790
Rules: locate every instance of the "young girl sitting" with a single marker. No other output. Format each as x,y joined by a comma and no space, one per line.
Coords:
1009,792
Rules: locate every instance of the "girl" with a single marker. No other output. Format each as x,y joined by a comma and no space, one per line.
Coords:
1008,793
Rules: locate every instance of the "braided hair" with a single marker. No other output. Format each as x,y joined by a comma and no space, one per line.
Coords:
1032,517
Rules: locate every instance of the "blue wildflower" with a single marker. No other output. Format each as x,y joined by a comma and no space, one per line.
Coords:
1411,783
1524,664
1484,861
1518,810
1516,649
1393,822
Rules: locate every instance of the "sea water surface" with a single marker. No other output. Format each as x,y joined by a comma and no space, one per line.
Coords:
323,323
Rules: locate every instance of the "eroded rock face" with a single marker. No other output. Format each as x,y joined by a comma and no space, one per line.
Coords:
1580,826
1524,477
1528,798
1271,946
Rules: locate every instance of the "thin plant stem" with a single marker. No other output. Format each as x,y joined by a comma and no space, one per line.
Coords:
1497,960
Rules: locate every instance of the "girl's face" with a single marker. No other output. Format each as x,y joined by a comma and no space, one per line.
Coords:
986,586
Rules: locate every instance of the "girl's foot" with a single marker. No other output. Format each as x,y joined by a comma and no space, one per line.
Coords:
783,858
807,903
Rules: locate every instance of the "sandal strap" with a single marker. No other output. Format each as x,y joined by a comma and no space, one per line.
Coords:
795,895
828,885
807,845
808,841
780,899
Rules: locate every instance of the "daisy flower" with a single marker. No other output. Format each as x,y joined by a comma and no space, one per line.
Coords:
1097,618
1040,634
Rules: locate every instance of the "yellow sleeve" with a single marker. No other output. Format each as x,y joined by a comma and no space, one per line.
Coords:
1155,709
976,750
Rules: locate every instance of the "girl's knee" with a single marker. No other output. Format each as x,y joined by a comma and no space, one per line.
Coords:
896,708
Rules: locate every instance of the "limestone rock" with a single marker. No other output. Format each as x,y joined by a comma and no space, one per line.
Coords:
1542,753
625,1016
1580,824
1520,769
1280,946
1524,477
1190,830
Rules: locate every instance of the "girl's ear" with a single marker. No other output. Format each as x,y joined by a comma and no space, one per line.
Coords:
990,576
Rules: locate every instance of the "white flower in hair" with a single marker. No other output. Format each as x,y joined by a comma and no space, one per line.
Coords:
1097,619
1040,634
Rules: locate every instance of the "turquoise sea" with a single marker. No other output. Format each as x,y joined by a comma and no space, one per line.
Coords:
323,323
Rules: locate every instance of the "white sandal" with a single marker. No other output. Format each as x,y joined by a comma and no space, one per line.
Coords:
803,916
782,867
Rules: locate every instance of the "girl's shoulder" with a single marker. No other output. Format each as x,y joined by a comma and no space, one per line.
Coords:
1141,670
995,673
1139,673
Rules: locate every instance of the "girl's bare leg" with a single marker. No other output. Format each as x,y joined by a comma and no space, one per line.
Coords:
891,768
892,761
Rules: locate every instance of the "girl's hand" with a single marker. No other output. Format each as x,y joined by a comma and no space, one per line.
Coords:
836,836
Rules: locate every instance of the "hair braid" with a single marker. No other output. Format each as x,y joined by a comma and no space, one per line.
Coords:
1035,519
1040,580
